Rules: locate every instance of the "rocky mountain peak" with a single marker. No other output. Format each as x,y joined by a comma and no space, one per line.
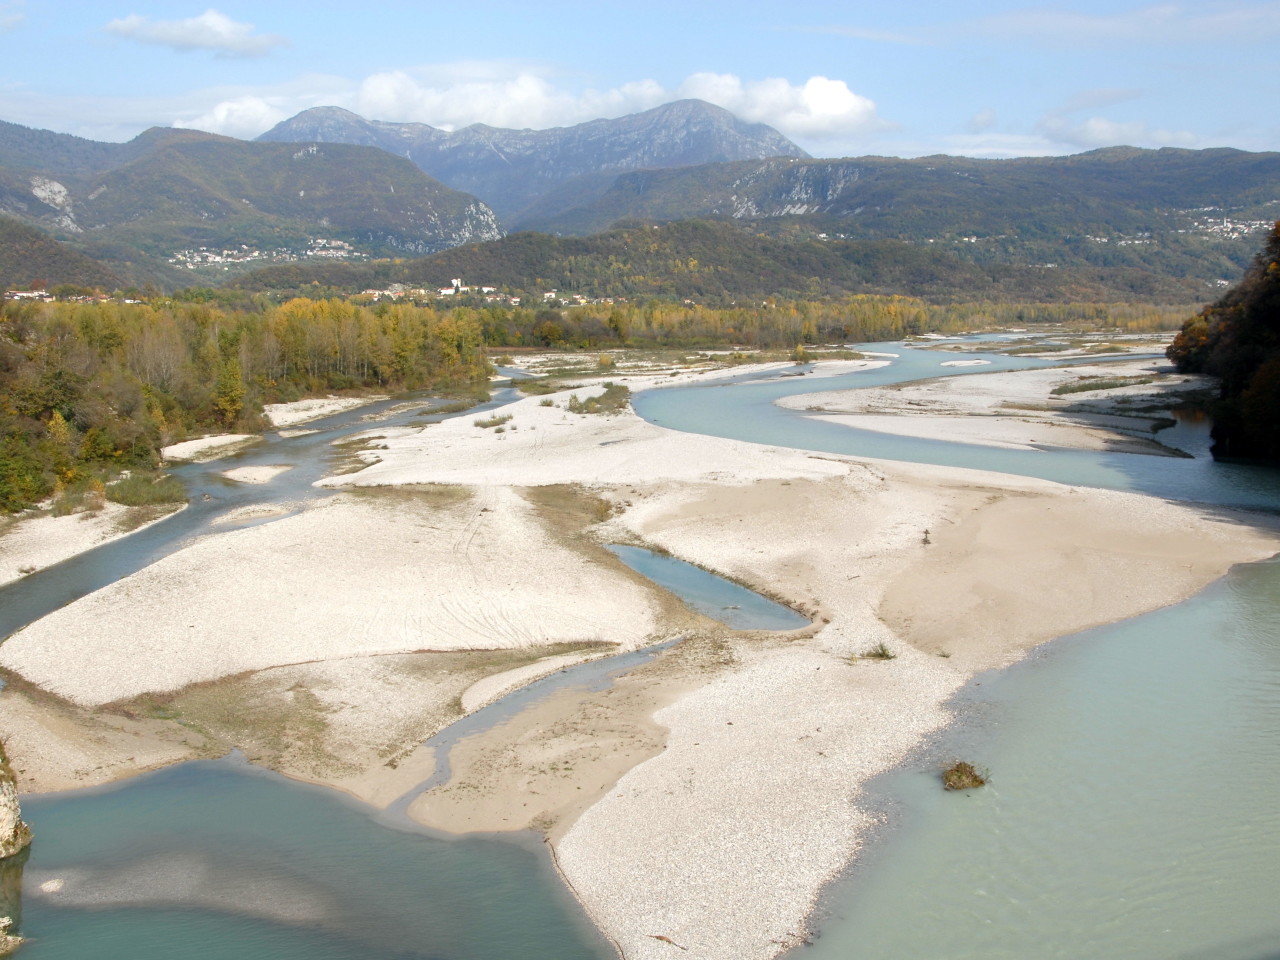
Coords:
511,169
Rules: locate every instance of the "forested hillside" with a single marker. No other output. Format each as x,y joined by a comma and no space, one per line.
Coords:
170,205
1237,339
31,258
722,263
1164,213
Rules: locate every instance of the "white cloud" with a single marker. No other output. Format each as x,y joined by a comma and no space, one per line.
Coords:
1156,23
211,30
12,14
1091,132
1094,132
822,114
243,117
818,109
981,121
859,33
520,95
525,99
993,145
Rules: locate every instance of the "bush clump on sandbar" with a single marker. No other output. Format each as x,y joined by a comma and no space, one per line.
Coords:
962,775
615,398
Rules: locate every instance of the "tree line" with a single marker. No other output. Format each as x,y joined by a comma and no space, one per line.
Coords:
91,388
774,323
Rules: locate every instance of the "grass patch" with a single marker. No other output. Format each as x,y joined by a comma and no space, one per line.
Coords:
963,775
497,421
455,406
434,495
1031,349
143,514
543,386
85,495
1087,384
615,398
142,489
577,370
880,651
568,511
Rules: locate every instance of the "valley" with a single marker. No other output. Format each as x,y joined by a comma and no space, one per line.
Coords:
337,465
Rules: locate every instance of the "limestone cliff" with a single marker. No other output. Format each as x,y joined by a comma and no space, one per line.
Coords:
9,942
14,834
14,838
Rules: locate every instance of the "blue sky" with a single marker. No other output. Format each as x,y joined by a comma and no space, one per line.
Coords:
991,78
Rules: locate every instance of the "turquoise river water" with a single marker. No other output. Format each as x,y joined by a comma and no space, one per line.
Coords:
1131,811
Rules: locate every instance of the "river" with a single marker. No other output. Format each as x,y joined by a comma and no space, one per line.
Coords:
1131,810
285,870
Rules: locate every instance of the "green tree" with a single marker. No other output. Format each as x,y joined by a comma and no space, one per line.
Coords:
229,391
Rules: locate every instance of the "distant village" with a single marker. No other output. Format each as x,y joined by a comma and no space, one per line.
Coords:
490,294
394,292
45,296
321,249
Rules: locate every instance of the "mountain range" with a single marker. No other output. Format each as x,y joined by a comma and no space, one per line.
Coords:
1109,192
1172,213
512,169
136,206
182,207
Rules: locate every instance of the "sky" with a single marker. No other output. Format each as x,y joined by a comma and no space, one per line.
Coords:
991,78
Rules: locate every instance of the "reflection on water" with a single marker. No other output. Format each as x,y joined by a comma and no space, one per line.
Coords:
11,887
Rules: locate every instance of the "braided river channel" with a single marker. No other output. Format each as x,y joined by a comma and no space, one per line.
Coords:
1131,810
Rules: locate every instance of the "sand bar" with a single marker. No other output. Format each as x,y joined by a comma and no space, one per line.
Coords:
346,578
209,448
1018,409
257,474
860,545
543,443
302,411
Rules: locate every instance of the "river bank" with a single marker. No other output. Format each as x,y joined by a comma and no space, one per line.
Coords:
709,796
38,539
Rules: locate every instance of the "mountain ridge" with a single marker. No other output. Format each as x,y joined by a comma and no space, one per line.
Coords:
510,168
171,190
